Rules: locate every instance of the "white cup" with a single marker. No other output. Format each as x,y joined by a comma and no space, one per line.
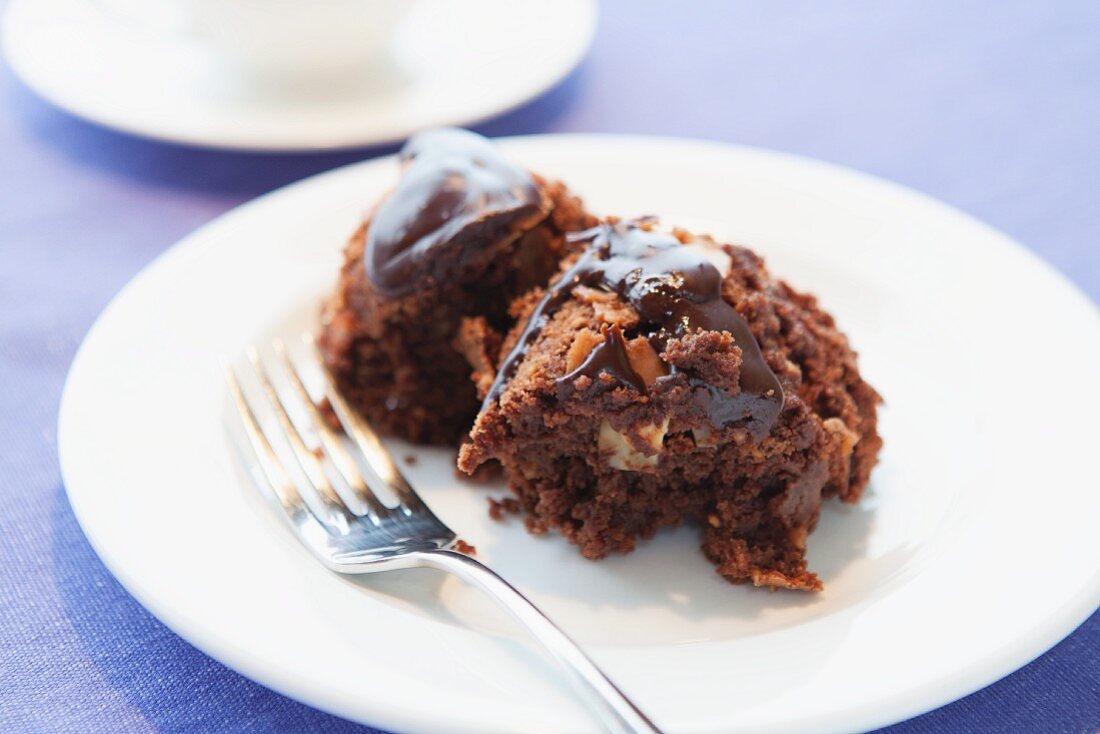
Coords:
278,41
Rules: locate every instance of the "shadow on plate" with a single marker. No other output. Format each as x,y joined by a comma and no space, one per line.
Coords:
665,592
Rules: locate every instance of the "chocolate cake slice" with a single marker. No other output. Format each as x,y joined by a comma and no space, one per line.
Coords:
463,234
664,377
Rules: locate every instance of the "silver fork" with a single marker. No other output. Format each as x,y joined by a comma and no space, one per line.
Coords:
386,538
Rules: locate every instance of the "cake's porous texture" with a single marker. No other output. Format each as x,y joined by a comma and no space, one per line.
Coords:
623,378
664,378
462,235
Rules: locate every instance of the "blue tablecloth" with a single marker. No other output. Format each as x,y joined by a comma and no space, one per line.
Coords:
993,107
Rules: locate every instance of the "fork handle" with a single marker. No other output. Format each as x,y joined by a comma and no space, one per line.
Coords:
615,709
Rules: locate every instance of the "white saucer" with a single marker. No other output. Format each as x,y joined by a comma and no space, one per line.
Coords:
973,551
452,63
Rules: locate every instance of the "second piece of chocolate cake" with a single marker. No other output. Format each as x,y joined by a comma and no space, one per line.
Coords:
464,232
665,377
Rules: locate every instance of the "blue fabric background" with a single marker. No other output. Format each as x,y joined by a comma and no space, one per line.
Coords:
990,106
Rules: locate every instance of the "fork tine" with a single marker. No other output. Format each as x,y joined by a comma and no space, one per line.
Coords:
265,456
345,465
311,465
368,441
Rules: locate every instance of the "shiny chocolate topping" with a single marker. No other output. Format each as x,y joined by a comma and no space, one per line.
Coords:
675,291
609,356
452,179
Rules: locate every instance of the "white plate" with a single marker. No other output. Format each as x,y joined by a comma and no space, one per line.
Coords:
973,551
451,63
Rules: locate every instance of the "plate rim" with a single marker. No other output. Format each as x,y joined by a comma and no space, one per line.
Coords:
587,20
935,693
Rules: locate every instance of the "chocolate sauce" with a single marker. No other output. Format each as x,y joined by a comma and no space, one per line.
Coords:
452,179
609,356
675,291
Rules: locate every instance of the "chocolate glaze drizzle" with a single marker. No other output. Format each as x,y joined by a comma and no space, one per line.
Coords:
609,356
452,179
676,291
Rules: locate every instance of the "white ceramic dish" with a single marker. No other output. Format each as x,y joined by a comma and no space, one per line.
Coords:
973,552
449,64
